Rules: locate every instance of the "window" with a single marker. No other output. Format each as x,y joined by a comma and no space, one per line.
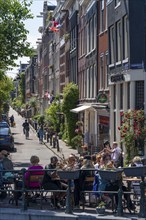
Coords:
106,14
94,28
139,96
118,38
91,34
101,72
108,1
101,15
73,38
128,95
111,45
87,83
94,81
117,2
121,96
115,126
125,36
88,38
114,97
106,70
91,82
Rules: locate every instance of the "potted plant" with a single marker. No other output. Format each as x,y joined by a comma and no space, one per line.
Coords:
100,209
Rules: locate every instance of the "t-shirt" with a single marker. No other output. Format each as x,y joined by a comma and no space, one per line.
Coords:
27,174
116,154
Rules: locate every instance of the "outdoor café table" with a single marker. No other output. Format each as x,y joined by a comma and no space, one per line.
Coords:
139,172
68,175
114,175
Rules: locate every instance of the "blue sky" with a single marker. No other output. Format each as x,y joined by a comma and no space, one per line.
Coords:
32,26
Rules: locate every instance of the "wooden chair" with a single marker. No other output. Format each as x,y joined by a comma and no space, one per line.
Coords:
86,194
34,192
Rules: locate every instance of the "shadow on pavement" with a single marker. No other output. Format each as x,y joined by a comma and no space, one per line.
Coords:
14,133
18,143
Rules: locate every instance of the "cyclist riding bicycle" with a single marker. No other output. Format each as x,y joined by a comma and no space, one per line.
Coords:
26,129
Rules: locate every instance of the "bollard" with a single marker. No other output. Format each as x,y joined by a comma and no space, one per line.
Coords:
142,212
120,206
24,205
68,199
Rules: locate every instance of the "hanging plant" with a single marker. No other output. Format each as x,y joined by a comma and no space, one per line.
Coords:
132,130
66,36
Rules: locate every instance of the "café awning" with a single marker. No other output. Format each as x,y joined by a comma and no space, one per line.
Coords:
80,108
85,107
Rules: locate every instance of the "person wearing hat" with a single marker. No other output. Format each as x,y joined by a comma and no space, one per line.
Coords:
7,163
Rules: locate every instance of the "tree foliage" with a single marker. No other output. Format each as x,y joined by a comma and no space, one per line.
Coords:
70,100
132,131
13,34
51,115
22,87
6,85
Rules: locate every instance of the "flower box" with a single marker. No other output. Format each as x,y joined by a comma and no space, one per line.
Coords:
68,174
115,174
135,171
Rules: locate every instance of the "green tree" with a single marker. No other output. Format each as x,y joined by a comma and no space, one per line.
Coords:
6,85
13,34
34,104
22,87
70,100
51,115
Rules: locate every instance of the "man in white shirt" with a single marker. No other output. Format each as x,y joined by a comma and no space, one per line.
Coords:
116,153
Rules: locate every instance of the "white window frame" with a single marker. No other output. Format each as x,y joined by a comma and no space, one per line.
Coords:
125,34
101,16
118,33
101,71
106,70
112,52
87,28
95,81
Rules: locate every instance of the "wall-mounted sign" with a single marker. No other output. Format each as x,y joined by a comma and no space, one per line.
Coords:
102,98
117,78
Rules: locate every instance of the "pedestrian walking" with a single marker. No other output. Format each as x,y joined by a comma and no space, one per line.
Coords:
35,123
12,120
40,134
25,126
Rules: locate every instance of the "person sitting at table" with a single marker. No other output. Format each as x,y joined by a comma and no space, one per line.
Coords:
73,164
34,160
86,177
100,184
136,162
51,181
7,163
113,185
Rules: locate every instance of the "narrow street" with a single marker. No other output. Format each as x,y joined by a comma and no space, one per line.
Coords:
26,148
